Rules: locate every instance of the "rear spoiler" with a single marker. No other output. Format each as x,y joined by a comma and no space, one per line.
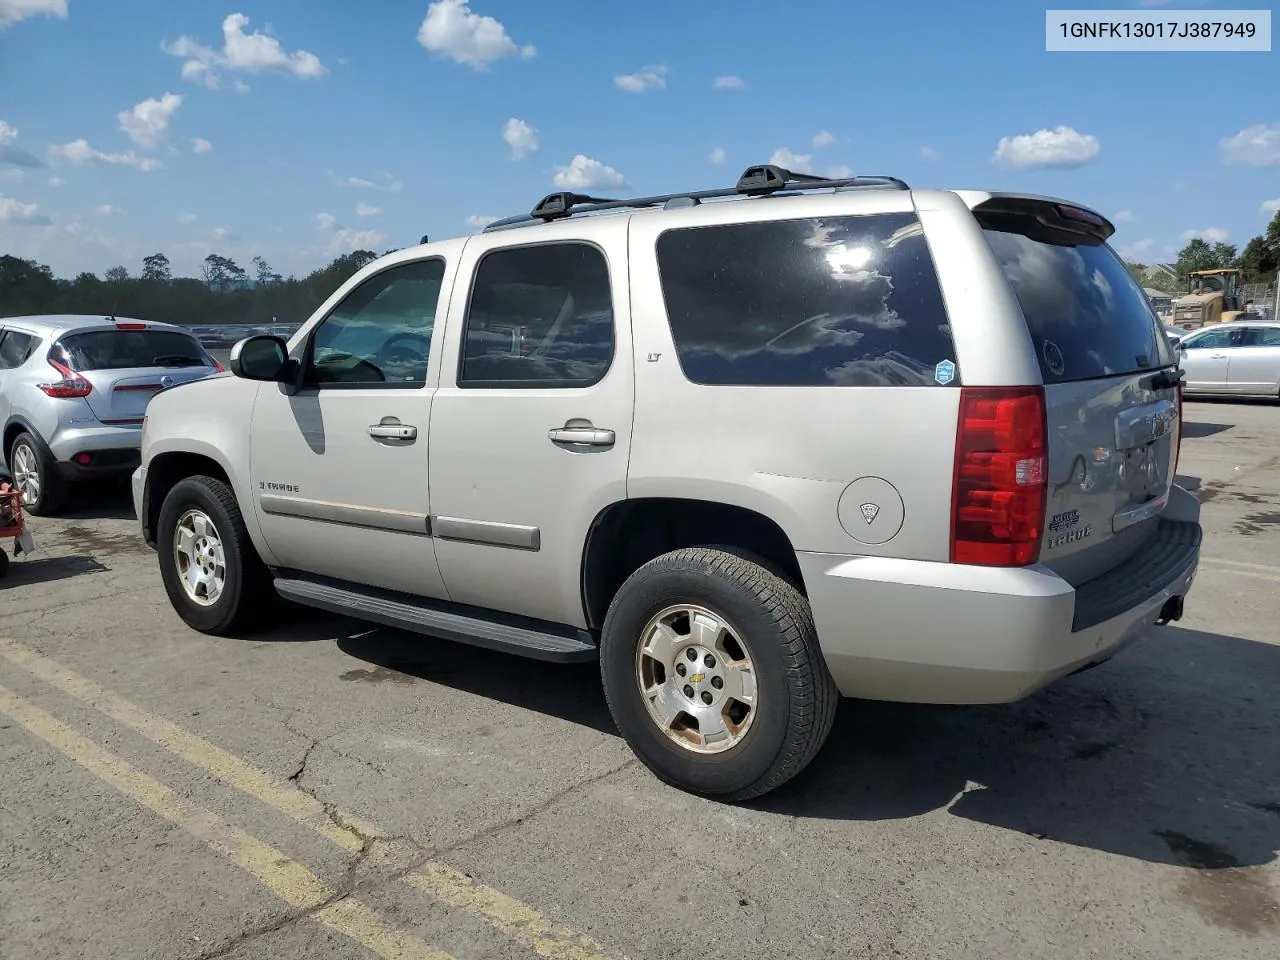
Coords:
1044,219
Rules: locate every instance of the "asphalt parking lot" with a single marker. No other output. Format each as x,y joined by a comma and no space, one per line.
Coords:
332,790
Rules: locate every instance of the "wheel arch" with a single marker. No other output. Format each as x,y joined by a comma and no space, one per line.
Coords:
629,533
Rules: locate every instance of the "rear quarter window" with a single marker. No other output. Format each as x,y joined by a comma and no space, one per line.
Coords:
831,301
1087,316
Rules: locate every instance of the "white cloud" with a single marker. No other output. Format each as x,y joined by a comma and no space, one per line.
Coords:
201,145
1137,250
388,183
584,173
452,30
1209,234
79,151
56,181
325,221
366,210
520,137
718,156
727,83
107,210
13,173
348,239
26,214
824,138
256,52
795,162
225,234
187,218
1255,146
11,154
1122,216
841,171
14,11
1270,208
652,77
930,154
479,222
147,122
1060,147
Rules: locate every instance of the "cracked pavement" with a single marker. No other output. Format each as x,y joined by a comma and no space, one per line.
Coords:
485,807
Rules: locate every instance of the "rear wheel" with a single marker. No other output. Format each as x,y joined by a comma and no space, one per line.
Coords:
43,491
713,673
211,572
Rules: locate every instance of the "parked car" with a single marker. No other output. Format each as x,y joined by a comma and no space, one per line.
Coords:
822,439
73,391
1242,357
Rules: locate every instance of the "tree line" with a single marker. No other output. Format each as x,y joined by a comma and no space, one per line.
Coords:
1258,262
224,293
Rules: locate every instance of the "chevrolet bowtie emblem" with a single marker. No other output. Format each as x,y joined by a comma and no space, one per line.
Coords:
697,678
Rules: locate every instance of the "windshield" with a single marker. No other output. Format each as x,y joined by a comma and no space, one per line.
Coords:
126,349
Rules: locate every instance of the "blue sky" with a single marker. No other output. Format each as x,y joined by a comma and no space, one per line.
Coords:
327,125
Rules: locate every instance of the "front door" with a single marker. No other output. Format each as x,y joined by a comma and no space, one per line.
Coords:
1206,358
339,469
531,430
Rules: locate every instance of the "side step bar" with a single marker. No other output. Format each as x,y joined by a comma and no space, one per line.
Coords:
529,638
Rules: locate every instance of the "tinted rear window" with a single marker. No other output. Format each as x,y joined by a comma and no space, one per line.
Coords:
833,301
1087,316
124,349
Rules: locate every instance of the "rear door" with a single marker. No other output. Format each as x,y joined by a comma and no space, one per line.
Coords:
1255,362
1112,409
129,363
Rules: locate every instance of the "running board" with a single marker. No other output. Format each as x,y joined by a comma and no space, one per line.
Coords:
528,638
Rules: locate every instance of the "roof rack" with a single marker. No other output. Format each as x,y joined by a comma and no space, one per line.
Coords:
757,181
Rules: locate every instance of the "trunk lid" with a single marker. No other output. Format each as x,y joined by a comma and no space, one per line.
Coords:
1110,381
127,366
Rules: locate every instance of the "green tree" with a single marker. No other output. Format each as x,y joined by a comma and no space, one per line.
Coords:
116,275
265,276
223,274
1198,255
156,268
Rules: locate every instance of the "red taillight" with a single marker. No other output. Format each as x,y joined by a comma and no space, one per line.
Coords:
131,326
998,494
71,385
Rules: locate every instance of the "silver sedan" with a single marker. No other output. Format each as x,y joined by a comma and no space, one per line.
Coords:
1232,359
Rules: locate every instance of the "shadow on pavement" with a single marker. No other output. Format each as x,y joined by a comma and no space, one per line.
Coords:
1195,429
1170,753
23,572
105,501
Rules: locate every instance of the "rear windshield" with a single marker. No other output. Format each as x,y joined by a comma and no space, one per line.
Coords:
125,349
830,301
1088,317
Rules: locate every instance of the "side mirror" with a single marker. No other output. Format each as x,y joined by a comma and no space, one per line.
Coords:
259,358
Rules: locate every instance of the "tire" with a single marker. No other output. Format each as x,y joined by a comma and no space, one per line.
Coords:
244,592
769,623
27,463
4,564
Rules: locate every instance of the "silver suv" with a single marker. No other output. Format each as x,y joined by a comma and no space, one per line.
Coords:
73,390
753,449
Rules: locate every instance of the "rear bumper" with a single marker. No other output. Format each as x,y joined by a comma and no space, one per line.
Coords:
922,632
111,451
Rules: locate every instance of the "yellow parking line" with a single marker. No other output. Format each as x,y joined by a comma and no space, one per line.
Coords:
512,918
286,878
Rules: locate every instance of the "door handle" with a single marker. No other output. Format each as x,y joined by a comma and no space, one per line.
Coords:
1217,356
581,431
393,430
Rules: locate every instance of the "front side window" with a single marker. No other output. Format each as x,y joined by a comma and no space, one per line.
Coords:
539,316
1262,337
830,301
380,334
1210,340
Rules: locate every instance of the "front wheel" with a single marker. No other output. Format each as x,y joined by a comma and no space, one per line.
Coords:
211,572
713,673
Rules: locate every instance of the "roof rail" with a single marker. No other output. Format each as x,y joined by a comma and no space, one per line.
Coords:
757,181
